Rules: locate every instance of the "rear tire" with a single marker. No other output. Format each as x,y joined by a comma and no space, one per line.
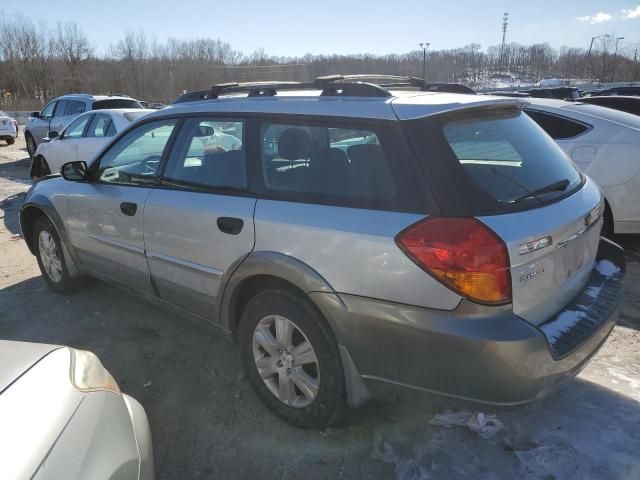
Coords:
11,141
301,379
50,256
31,144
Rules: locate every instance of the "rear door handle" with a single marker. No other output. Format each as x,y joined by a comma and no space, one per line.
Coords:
128,208
230,225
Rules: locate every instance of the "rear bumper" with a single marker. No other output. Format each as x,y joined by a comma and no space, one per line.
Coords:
484,354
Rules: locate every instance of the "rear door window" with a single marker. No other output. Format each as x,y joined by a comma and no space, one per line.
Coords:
61,108
100,126
325,161
74,107
557,127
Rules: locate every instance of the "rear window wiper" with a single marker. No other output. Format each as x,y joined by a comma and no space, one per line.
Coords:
558,186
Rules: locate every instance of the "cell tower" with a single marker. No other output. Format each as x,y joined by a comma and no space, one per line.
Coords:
505,25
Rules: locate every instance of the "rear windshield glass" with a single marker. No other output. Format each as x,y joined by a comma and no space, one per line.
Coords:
492,161
510,157
116,103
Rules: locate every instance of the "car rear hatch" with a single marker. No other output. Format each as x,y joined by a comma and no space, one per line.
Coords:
552,250
492,162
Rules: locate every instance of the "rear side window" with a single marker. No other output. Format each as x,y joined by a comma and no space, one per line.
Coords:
557,127
116,103
325,162
74,107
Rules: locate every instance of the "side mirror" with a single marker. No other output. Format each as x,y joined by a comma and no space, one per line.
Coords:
35,114
53,134
74,171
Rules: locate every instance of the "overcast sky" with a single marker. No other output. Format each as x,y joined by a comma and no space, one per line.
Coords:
341,26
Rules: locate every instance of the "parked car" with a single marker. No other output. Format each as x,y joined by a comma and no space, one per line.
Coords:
560,93
8,128
604,144
59,112
63,416
628,90
82,139
354,237
617,102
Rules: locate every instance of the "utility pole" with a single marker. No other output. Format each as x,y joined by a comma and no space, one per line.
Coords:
424,47
615,54
635,68
505,24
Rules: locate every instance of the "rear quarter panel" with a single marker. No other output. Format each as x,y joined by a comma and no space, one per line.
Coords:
352,249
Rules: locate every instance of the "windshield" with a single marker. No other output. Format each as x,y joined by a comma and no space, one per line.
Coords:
2,114
497,160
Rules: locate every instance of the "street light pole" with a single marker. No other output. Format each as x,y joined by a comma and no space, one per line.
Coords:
424,47
615,54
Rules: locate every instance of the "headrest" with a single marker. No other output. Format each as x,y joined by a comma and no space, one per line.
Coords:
294,144
368,152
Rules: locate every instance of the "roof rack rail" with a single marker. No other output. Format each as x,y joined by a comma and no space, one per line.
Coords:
330,86
360,85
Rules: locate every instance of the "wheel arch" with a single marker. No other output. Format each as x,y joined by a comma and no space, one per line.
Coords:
42,207
263,270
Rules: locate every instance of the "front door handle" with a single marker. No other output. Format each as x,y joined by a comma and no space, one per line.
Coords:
230,225
128,208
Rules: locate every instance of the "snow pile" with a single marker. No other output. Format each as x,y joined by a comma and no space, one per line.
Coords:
607,269
565,322
484,425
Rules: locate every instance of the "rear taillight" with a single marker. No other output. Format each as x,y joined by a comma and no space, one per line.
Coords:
463,254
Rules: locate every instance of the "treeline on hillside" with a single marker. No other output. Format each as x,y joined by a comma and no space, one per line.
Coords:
40,61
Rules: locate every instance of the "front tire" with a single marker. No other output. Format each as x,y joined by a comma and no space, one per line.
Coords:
50,256
291,359
11,141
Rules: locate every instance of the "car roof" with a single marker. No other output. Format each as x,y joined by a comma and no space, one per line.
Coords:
401,104
95,98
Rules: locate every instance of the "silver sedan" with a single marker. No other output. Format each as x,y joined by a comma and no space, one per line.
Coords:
63,416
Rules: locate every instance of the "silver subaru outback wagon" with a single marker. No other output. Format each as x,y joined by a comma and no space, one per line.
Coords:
347,235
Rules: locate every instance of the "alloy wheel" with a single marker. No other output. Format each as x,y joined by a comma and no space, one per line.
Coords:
286,361
49,256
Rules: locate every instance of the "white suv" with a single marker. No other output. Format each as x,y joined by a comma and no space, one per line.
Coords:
59,112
